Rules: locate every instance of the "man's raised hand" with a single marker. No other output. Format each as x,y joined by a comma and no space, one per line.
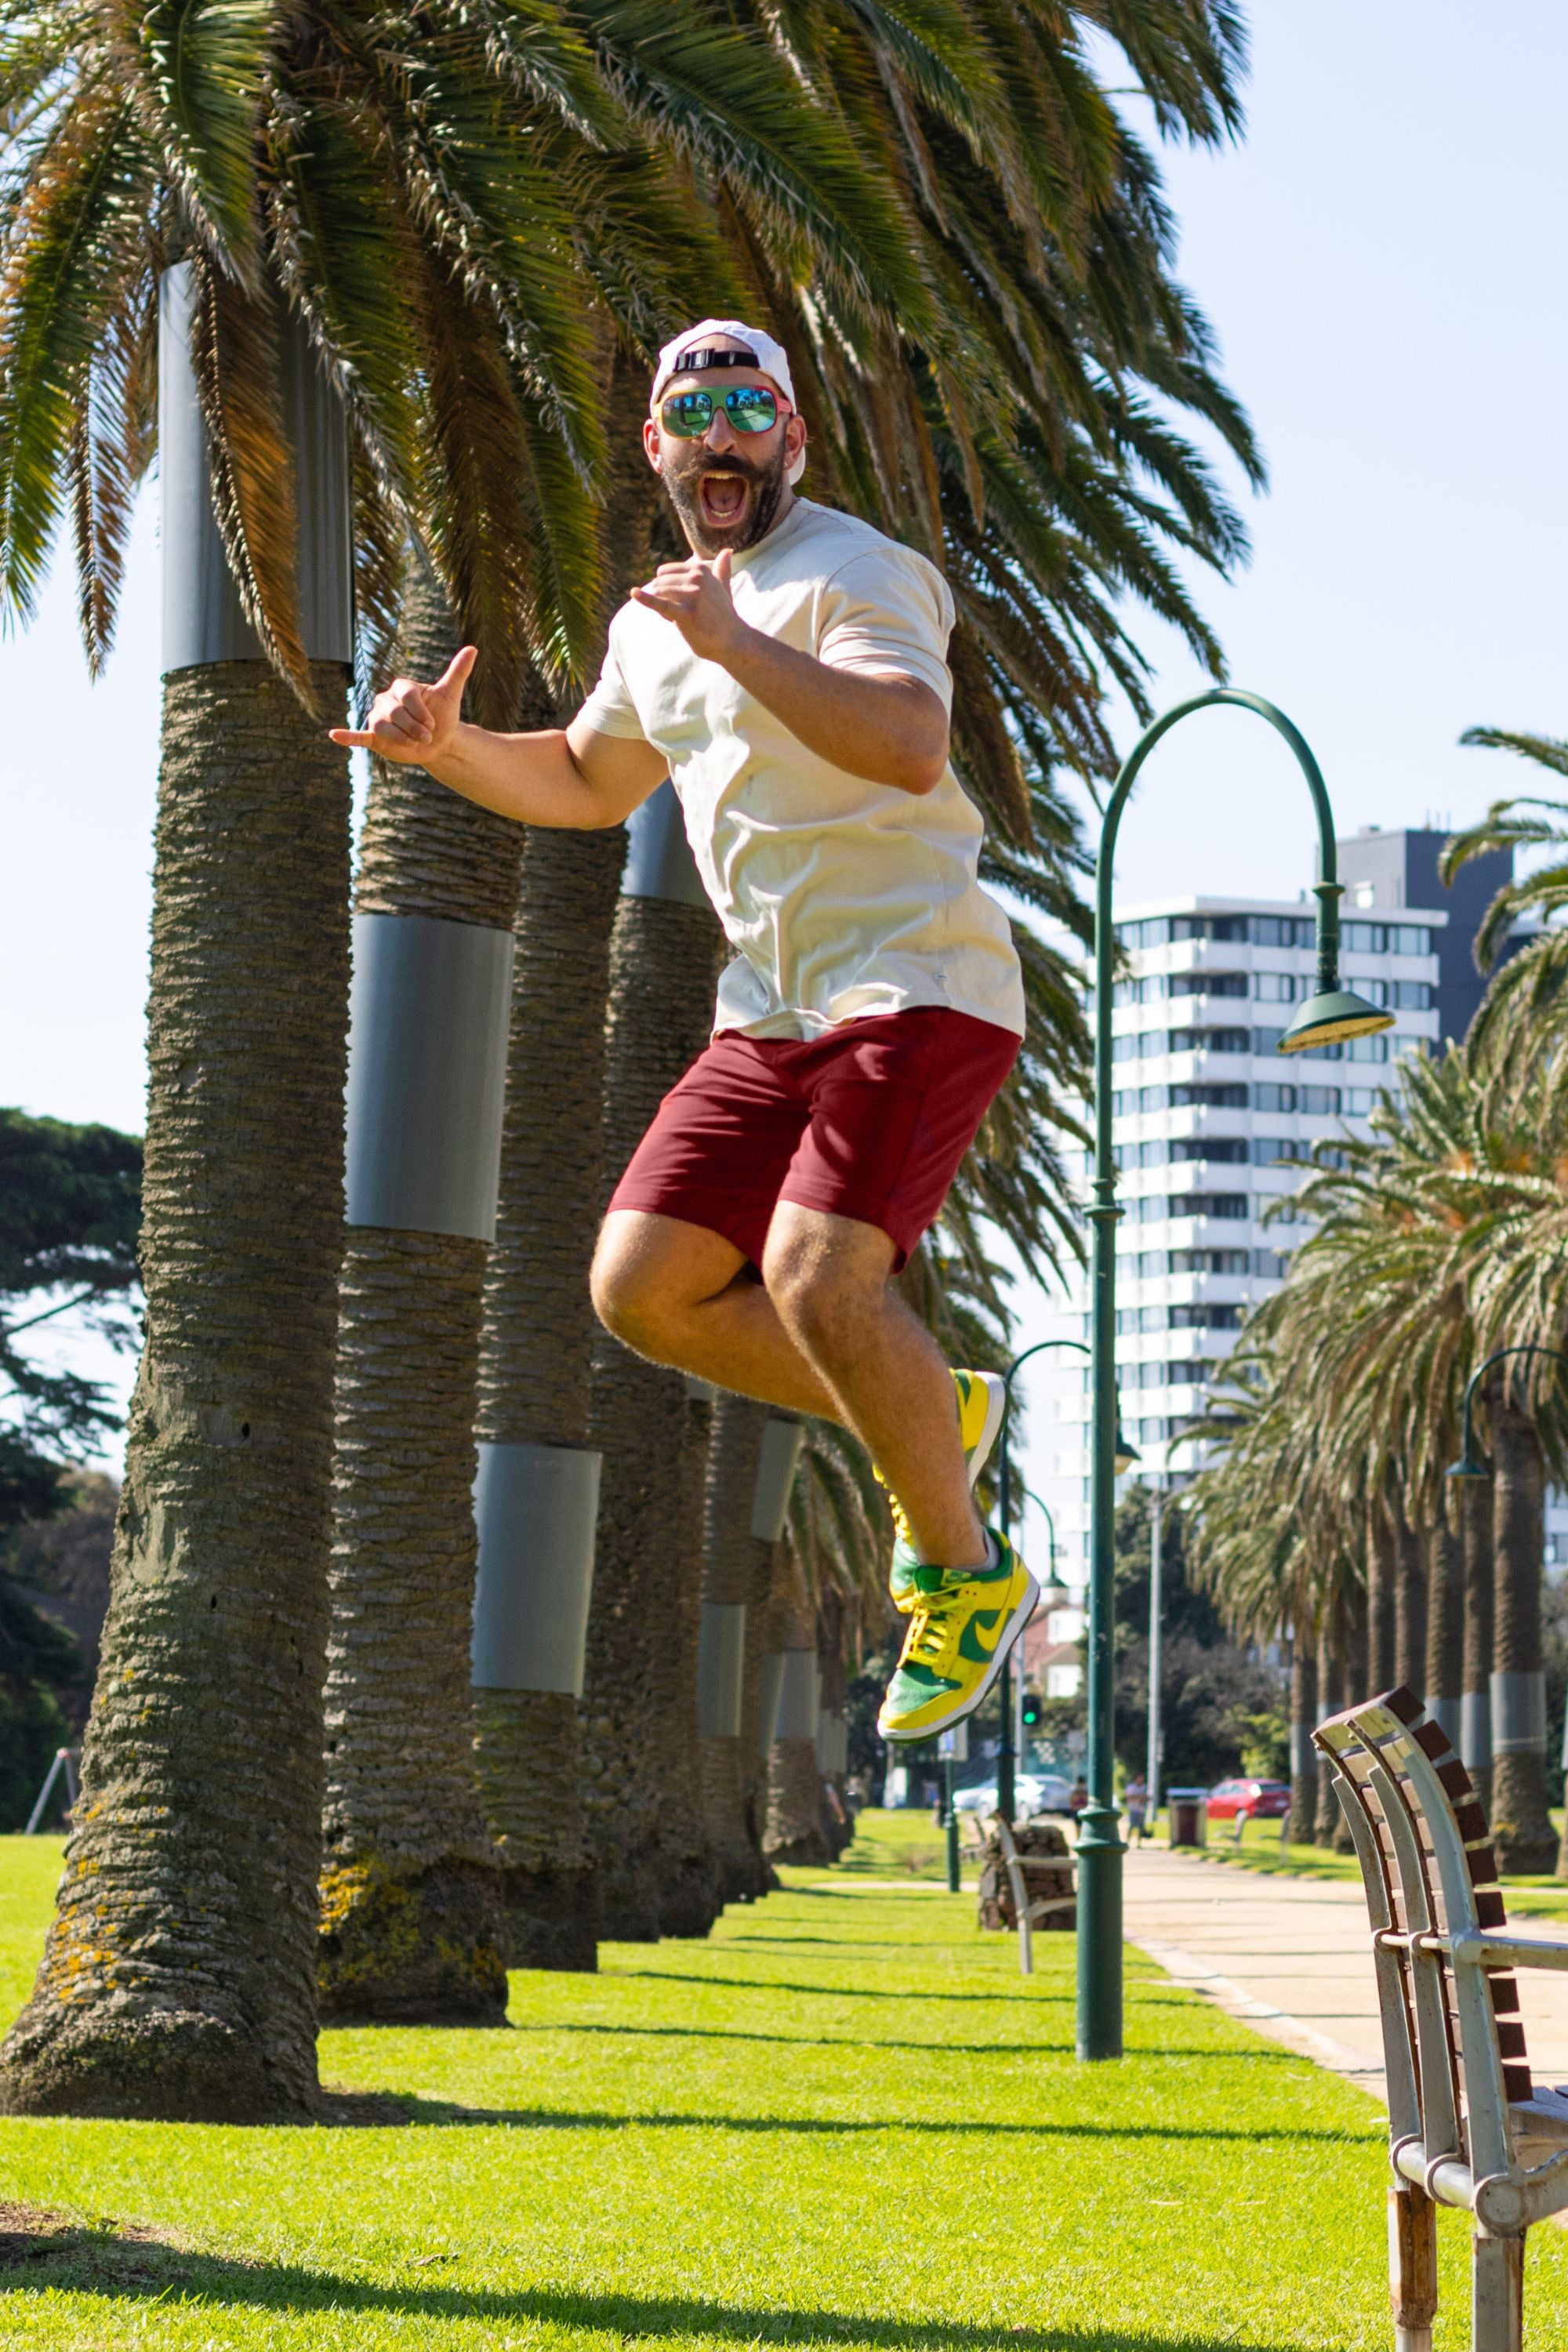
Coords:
695,595
413,723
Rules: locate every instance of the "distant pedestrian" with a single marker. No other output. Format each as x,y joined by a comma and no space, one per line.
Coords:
1135,1797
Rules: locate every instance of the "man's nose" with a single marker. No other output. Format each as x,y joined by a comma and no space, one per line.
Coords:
720,432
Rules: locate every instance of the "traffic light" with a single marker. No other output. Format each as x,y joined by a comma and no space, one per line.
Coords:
1032,1710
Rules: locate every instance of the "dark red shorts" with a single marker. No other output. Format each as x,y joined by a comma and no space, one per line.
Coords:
870,1121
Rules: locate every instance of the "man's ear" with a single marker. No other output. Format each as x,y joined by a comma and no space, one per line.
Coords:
651,443
794,433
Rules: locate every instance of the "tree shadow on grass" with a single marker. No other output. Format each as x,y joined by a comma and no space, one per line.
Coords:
1043,2048
45,2255
381,2109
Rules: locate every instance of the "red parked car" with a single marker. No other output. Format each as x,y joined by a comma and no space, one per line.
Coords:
1264,1800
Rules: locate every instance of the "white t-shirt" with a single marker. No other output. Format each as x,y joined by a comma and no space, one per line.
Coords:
843,897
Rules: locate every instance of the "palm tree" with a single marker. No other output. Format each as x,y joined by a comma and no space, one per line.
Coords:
641,1755
416,195
178,1975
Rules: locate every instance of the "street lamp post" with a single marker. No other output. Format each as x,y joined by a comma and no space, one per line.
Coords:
1007,1753
1125,1456
1329,1015
1152,1803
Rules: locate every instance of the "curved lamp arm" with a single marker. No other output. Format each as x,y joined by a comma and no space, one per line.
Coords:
1471,1465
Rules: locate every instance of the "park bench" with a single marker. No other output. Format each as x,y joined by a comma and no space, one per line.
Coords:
1466,2124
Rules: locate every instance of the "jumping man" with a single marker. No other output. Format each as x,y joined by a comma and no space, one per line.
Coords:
791,677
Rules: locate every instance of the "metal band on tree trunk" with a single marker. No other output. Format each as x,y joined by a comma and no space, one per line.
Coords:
659,864
1476,1731
832,1743
427,1040
720,1669
799,1685
1519,1715
536,1508
1445,1712
204,620
782,1441
1303,1755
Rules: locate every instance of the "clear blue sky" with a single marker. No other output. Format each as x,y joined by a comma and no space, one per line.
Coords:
1382,260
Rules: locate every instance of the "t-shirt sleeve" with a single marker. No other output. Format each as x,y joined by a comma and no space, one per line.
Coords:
889,612
609,709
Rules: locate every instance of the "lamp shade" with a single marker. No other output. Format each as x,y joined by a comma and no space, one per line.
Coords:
1329,1018
1469,1466
1127,1455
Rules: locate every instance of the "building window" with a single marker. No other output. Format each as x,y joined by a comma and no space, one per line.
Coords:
1272,1264
1386,939
1208,1041
1213,1096
1320,1102
1206,1315
1228,1149
1208,984
1211,1261
1276,987
1367,1049
1063,1682
1283,931
1209,1204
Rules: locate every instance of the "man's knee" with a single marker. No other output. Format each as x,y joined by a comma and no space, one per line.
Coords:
823,1289
626,1296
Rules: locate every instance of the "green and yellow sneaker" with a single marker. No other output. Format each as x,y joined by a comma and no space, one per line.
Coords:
964,1621
982,1400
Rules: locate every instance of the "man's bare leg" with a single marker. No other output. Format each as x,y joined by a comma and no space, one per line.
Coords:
823,1333
676,1293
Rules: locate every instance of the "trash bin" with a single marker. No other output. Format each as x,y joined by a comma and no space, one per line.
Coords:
1189,1816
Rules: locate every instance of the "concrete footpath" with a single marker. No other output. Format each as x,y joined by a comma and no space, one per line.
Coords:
1291,1958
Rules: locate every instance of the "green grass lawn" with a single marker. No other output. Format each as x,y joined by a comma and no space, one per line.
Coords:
843,2119
1527,1898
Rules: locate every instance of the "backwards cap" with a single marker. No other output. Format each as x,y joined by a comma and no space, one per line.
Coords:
765,352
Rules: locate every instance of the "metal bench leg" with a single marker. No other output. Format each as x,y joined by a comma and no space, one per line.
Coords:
1499,2323
1411,2267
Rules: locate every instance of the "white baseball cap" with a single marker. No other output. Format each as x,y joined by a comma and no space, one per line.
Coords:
766,353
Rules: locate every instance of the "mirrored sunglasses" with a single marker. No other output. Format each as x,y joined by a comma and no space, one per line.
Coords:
750,407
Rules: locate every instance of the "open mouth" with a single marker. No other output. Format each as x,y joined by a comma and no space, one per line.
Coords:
722,499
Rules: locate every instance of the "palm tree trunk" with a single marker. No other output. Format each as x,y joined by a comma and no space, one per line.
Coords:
793,1831
1381,1572
729,1575
1330,1700
1476,1704
411,1910
1303,1755
178,1980
1445,1627
1409,1605
536,1356
1521,1824
535,1365
640,1746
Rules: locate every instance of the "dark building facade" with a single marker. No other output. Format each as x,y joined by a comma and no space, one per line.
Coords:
1388,870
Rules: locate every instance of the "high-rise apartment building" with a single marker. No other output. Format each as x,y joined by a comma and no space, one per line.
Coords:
1208,1114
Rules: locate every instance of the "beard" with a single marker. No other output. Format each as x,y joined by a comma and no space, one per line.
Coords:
723,516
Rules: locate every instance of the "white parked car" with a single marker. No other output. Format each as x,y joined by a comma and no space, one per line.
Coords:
1033,1793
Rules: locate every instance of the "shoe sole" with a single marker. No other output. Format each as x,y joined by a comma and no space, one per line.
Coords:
1028,1602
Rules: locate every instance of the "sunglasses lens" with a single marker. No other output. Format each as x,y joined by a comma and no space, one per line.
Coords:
750,408
688,414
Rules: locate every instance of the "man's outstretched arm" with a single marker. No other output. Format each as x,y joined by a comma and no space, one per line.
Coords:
886,727
566,776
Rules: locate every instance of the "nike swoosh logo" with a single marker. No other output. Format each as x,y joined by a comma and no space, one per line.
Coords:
997,1618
